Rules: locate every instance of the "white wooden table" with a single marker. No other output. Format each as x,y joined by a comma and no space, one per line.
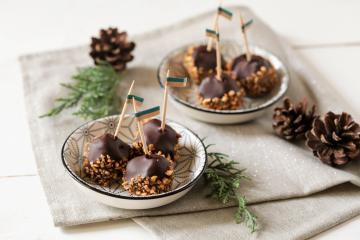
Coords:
325,32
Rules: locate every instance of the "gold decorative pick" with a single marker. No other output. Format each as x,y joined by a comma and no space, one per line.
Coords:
216,28
121,118
218,58
140,130
164,106
244,36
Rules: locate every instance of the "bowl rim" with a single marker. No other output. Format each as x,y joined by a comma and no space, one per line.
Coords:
266,105
162,195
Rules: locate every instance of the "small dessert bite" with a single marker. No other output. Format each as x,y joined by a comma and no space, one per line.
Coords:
105,159
200,63
220,92
257,76
224,94
159,141
148,174
159,137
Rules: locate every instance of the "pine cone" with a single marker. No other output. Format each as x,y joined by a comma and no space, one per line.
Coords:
336,140
112,47
291,121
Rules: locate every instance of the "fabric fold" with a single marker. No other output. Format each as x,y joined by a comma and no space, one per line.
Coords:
297,218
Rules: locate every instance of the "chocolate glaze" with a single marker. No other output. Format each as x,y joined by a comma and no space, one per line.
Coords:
107,144
205,59
211,87
163,141
243,68
146,166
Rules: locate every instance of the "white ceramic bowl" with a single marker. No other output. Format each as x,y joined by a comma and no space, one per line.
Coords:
185,99
188,169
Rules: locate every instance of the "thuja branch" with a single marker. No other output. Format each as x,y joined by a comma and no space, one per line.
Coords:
93,89
224,178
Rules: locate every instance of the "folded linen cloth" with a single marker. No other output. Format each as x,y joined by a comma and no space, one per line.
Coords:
296,218
279,169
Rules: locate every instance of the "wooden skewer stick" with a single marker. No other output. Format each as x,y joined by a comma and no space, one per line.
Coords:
218,59
244,36
141,130
164,106
216,28
123,110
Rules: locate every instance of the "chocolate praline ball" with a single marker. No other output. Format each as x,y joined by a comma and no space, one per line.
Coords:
243,68
211,87
164,141
203,58
107,144
146,166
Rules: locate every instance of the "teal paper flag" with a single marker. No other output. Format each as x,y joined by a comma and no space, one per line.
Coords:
148,113
225,13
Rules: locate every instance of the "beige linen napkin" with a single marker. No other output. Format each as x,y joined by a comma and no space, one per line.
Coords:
279,169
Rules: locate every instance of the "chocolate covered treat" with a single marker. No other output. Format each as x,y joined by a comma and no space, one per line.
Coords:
148,174
158,141
200,63
224,94
105,159
257,76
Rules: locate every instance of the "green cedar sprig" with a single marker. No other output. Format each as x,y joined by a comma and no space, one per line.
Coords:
93,89
224,179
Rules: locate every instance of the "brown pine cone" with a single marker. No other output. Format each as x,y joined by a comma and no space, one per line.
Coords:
335,140
291,121
113,48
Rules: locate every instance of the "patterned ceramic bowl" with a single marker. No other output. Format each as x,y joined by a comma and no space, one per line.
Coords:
188,169
186,100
